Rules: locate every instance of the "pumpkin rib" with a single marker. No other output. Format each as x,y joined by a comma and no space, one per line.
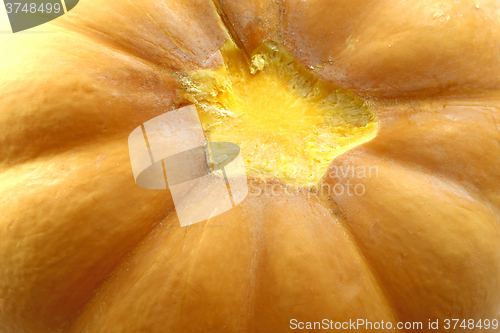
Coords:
382,233
134,266
165,44
344,223
119,267
88,34
68,108
446,181
398,290
68,250
426,149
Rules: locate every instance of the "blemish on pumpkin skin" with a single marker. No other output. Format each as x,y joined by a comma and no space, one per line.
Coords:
100,160
288,123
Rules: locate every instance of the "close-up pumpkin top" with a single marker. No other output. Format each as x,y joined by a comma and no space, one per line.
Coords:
250,166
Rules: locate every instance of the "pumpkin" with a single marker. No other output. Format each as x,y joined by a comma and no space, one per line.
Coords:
394,106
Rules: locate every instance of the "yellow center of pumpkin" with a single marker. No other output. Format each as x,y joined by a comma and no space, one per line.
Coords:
287,122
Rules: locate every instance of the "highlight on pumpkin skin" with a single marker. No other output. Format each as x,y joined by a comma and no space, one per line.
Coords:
288,123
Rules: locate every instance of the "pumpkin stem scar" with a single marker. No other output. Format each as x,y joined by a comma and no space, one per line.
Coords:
288,123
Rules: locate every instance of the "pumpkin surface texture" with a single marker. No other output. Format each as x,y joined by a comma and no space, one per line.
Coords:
371,140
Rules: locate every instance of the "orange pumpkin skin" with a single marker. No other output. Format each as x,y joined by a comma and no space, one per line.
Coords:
83,249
